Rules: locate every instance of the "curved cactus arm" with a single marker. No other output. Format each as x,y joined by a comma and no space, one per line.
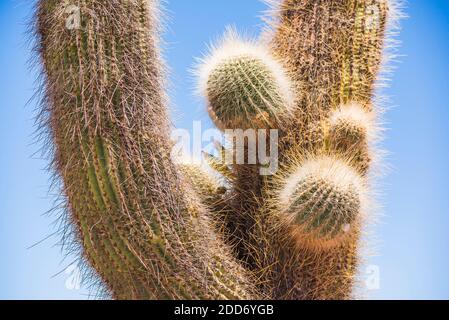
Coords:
140,223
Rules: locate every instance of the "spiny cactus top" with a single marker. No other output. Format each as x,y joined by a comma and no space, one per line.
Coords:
245,86
323,199
154,229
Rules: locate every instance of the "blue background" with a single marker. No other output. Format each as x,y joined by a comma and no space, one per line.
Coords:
413,255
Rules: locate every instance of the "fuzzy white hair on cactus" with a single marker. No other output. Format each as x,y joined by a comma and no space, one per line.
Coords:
355,116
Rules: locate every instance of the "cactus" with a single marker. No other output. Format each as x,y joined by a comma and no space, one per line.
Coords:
152,228
140,224
245,87
350,131
323,199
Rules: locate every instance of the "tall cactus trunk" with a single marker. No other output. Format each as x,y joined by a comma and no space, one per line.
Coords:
141,227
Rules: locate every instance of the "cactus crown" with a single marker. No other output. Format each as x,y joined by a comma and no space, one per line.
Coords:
354,121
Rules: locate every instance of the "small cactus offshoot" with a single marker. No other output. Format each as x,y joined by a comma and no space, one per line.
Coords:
351,130
323,200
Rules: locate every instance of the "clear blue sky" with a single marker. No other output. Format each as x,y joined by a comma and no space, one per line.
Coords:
413,255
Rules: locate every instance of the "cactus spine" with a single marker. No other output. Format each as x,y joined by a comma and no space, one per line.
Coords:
154,229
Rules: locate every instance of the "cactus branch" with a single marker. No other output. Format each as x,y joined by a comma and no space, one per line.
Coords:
153,228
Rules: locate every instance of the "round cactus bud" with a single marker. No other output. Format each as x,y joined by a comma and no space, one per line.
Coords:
244,85
351,129
207,186
323,201
350,126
